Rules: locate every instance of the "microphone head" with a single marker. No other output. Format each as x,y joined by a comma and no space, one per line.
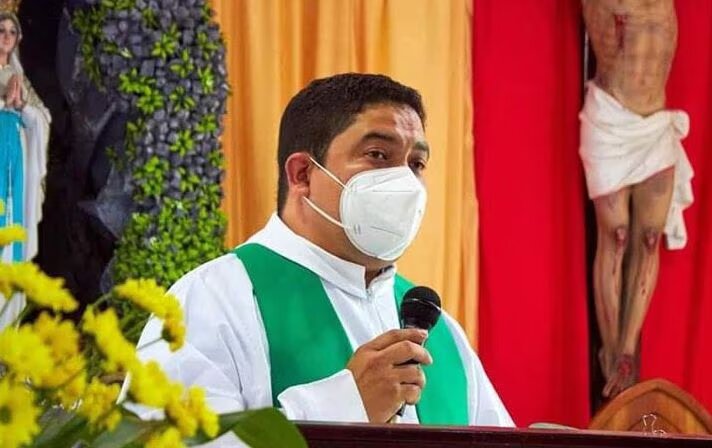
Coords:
420,308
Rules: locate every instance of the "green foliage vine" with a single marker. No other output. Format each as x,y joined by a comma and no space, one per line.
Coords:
163,63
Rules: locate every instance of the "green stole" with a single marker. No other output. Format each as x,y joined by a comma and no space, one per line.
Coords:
307,341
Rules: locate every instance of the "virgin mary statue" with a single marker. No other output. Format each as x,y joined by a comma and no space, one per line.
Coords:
24,133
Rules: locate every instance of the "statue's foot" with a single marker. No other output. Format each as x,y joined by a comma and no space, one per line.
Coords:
624,376
605,359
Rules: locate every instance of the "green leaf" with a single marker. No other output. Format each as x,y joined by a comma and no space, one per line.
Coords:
130,431
149,18
60,428
126,53
263,428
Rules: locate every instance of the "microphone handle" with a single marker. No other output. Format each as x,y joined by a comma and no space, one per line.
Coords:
399,413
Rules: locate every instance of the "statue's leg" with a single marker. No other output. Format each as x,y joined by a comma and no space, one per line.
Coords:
612,219
650,205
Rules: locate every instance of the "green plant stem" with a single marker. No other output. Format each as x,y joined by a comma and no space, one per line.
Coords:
159,339
28,307
134,327
103,299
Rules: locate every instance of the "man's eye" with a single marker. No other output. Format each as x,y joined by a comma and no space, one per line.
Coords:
377,154
417,166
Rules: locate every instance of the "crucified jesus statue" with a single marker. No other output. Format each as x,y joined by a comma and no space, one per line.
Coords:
636,170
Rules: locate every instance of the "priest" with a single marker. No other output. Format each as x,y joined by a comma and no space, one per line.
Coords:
304,315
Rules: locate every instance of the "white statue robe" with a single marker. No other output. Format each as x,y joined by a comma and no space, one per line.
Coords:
35,137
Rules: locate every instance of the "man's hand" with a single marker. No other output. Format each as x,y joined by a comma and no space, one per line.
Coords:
382,378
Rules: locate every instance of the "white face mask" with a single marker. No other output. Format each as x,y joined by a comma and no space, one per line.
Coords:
381,210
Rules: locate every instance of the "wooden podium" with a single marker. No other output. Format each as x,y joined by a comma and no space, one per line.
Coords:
414,436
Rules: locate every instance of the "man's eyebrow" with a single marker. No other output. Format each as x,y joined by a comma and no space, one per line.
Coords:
378,135
420,145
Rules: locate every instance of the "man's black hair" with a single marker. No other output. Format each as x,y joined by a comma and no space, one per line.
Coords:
326,107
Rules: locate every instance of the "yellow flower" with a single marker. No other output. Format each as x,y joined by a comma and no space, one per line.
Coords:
170,438
150,296
120,353
12,234
24,354
178,412
188,411
42,290
59,335
68,375
99,404
147,294
150,385
18,414
2,207
112,420
6,287
174,331
207,418
72,378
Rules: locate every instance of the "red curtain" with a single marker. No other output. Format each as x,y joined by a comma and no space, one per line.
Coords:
677,335
533,327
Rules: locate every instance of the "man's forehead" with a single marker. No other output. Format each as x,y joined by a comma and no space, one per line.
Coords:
395,126
401,117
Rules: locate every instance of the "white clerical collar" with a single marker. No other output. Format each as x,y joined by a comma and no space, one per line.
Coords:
344,274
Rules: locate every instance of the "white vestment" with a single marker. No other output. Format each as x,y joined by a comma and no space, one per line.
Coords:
620,148
226,346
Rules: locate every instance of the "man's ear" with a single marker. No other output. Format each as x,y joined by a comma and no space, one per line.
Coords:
298,170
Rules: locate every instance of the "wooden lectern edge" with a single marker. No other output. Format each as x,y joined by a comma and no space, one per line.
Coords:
347,435
660,385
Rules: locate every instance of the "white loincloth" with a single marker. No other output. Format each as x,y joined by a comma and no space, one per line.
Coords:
620,148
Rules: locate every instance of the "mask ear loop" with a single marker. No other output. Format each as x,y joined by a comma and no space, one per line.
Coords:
327,172
323,213
314,206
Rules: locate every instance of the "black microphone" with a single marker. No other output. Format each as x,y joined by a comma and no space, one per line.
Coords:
420,309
